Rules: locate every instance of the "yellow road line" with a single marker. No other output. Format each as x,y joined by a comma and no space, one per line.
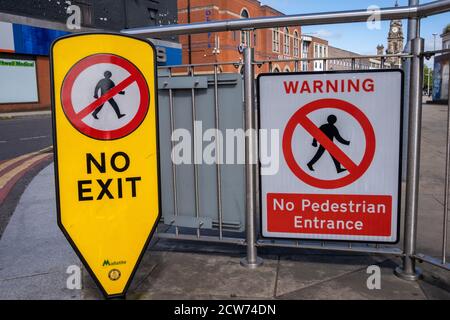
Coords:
10,174
15,160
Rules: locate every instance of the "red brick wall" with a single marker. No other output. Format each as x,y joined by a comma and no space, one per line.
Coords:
203,44
43,80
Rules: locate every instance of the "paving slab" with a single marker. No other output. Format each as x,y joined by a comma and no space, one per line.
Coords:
353,286
46,286
299,272
34,255
206,274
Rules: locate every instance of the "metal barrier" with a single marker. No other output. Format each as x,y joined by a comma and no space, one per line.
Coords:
192,85
414,13
355,61
442,260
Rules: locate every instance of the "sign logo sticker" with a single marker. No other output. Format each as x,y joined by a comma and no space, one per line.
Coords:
114,274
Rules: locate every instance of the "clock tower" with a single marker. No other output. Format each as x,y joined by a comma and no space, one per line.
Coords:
395,42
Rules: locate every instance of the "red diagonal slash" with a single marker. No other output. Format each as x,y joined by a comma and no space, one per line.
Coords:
334,150
111,93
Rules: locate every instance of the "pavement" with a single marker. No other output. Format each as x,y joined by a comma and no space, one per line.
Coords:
24,114
34,255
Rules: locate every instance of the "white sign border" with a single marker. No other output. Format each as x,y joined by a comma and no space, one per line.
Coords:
325,237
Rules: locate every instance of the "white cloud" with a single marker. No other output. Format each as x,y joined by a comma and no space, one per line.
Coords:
327,34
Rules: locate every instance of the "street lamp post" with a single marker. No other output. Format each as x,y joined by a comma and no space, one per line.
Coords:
429,69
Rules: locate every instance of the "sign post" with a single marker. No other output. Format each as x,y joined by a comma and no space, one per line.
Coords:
106,152
340,151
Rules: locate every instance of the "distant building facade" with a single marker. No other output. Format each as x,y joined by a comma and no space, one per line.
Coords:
318,48
395,46
100,14
354,62
269,44
395,43
28,27
441,71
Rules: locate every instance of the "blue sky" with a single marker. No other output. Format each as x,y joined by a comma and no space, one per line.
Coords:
357,37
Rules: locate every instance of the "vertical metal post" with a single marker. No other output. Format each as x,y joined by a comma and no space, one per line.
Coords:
411,34
408,271
447,186
174,167
218,152
251,260
195,155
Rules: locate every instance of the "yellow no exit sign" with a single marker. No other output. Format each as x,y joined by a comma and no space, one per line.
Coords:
106,152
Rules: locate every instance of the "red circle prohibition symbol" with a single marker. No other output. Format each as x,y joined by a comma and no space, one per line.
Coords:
355,170
76,118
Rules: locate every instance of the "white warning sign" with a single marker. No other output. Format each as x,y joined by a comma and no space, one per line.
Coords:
339,173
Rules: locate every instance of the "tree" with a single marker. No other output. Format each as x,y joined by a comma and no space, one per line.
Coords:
427,72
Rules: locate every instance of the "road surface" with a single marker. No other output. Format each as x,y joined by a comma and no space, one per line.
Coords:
20,136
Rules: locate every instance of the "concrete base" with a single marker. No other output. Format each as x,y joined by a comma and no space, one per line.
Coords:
246,264
408,276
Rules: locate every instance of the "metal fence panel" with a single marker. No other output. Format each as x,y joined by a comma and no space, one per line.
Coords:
232,176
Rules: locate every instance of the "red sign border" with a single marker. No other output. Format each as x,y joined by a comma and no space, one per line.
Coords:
342,105
69,111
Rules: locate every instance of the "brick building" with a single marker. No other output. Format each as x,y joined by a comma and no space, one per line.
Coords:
316,48
355,60
269,44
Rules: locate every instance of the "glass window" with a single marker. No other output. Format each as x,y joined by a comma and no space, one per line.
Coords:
296,44
287,42
305,66
276,40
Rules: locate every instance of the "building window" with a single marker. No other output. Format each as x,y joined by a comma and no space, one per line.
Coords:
244,15
296,44
304,65
287,42
276,40
305,49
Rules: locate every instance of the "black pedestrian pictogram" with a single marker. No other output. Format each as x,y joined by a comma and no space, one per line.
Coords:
330,130
104,86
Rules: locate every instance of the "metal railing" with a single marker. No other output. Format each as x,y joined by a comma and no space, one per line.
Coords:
410,12
356,62
414,13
